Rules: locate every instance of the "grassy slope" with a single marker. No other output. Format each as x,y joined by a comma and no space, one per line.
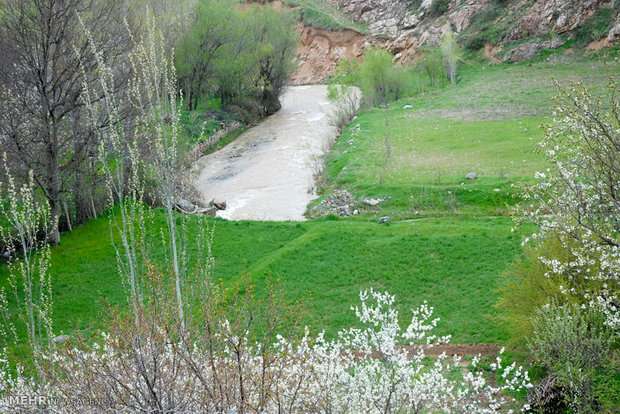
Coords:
324,15
488,124
451,250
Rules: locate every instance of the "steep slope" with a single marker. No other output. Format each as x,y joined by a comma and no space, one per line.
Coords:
320,50
520,28
505,30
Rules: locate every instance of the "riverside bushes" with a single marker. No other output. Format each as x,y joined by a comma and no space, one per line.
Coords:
382,81
243,57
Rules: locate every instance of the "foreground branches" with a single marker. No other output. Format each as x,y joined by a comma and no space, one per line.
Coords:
219,368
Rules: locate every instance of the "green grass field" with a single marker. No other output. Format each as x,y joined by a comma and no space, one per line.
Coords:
450,238
417,152
321,267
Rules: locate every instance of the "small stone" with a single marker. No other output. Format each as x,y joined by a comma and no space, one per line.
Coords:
219,204
471,176
356,212
61,339
372,202
384,220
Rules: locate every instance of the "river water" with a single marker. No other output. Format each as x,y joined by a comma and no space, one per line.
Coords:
268,172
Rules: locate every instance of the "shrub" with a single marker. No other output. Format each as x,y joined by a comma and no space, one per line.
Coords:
439,7
414,5
347,99
596,26
150,367
377,77
237,55
527,288
485,27
380,80
451,53
432,66
571,343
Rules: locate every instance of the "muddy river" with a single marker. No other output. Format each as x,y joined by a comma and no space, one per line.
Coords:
268,172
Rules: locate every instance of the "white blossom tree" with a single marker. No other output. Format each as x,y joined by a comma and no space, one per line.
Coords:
220,369
577,198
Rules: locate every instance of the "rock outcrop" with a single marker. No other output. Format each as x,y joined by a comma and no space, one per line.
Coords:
521,29
554,16
405,25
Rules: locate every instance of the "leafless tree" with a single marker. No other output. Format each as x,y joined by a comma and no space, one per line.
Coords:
46,60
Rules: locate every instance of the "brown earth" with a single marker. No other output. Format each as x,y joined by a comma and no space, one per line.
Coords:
450,350
599,44
490,53
320,51
459,349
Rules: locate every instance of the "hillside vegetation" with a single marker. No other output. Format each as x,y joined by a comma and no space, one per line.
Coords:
417,152
323,14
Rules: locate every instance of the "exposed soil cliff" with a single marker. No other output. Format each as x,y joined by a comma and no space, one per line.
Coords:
320,50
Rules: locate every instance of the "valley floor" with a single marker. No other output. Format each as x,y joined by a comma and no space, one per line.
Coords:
449,239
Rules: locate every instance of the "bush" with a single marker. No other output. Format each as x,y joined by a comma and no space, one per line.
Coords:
527,288
347,101
485,28
571,343
439,7
380,80
216,366
237,55
451,53
432,66
595,27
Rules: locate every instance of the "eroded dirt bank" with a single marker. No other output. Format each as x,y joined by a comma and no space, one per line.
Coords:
320,50
268,172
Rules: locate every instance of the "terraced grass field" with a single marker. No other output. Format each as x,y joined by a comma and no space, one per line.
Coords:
320,267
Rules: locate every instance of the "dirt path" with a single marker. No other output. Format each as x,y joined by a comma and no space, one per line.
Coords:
268,172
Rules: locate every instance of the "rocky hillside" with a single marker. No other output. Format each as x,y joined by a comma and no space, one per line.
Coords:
513,29
504,30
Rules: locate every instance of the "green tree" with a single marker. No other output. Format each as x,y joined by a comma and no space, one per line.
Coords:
243,57
277,42
452,54
210,32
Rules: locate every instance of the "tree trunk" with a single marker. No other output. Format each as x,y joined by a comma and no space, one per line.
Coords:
53,192
82,171
270,102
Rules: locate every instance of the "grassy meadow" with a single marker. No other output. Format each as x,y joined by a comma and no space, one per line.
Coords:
417,152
